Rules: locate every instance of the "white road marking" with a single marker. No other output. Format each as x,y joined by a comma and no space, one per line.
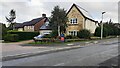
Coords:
59,64
70,44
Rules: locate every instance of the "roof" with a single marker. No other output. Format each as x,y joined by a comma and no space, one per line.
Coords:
30,23
43,26
84,13
17,25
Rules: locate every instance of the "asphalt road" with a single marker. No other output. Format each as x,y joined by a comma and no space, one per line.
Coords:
92,55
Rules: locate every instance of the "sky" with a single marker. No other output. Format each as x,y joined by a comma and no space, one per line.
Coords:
27,10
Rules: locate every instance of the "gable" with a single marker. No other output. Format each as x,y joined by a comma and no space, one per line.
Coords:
74,13
45,25
39,24
80,11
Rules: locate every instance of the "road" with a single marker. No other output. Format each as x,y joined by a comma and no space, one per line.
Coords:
91,55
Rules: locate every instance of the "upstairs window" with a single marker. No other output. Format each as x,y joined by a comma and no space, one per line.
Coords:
73,20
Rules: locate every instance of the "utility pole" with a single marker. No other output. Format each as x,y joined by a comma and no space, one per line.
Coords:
102,25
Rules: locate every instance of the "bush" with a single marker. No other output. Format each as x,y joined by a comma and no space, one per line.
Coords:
54,34
11,37
116,31
84,33
98,32
24,35
47,36
3,31
71,37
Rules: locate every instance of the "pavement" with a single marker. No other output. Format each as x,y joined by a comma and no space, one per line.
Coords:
12,51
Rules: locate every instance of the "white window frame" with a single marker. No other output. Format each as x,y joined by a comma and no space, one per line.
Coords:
28,27
73,32
73,21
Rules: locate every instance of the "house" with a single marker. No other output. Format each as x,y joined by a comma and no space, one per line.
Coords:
79,19
11,27
39,24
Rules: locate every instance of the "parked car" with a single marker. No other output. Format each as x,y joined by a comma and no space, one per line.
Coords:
42,38
38,37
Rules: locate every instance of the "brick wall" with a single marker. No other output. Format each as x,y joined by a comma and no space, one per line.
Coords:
38,25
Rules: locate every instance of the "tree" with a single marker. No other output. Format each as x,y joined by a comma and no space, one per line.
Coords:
109,27
12,16
112,29
110,21
58,20
98,32
54,34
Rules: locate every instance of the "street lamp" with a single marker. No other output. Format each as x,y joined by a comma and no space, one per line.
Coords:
102,25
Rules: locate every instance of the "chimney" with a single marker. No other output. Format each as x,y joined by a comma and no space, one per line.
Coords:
43,15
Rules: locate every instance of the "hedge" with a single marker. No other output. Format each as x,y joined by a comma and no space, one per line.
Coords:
54,34
98,32
84,33
24,35
71,37
11,37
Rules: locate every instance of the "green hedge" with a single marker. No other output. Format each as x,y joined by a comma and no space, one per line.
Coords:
71,37
24,35
11,37
84,33
54,34
98,32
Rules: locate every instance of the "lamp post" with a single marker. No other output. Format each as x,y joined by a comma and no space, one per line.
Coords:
102,25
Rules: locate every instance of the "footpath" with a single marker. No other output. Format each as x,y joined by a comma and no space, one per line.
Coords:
17,50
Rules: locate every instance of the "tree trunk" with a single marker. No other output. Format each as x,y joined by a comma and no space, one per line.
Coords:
58,30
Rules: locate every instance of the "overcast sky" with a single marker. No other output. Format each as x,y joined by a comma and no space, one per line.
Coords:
30,9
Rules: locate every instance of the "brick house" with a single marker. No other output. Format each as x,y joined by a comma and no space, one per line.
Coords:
39,24
79,19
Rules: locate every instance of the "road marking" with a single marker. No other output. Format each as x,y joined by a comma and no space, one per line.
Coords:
70,44
59,64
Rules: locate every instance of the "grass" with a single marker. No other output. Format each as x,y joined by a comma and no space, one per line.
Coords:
59,42
72,41
47,42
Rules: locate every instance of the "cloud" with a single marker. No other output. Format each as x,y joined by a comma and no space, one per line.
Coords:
96,8
30,9
24,11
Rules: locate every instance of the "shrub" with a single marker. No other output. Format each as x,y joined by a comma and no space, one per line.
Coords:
116,31
71,37
11,37
3,31
54,34
47,36
98,32
84,33
24,35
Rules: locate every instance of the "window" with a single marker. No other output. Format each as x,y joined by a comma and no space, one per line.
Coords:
73,33
46,23
73,20
28,27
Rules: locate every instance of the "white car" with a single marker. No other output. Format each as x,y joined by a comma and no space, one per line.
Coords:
42,37
39,36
